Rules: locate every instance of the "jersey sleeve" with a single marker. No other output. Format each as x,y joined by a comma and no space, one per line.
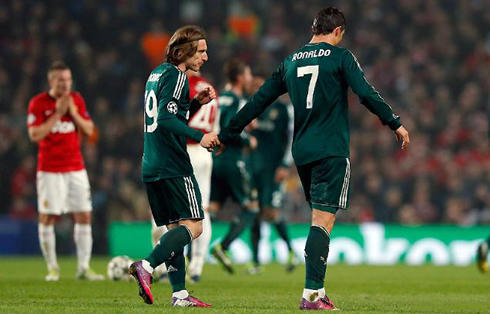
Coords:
82,107
287,160
368,96
35,115
272,88
171,86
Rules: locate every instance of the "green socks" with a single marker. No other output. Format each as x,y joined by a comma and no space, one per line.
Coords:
237,227
282,230
170,245
176,271
316,253
255,238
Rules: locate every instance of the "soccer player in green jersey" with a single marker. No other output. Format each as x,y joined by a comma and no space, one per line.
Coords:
317,77
268,165
230,177
173,192
482,255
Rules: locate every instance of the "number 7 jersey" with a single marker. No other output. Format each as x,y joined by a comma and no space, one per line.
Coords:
167,104
317,77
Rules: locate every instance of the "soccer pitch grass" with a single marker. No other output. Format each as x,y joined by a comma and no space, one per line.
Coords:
354,289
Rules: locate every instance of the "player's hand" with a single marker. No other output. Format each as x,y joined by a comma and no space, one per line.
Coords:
206,95
402,135
253,142
221,148
62,105
72,109
210,141
252,126
281,174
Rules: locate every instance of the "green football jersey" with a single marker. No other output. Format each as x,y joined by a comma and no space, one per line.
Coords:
165,131
317,77
273,134
229,105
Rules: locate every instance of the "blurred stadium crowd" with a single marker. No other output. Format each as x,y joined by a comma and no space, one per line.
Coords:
429,59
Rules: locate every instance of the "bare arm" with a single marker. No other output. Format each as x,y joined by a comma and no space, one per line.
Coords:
39,132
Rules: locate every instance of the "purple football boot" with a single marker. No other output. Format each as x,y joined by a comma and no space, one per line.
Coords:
319,305
190,301
144,280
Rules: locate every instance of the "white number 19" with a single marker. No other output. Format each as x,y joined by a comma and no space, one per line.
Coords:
313,70
152,113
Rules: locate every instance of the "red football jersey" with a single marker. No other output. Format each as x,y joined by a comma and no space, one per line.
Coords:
59,151
205,118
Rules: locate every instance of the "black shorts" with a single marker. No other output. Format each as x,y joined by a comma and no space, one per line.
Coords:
174,199
326,183
230,179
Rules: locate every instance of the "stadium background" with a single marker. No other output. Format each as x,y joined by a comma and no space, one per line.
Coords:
429,59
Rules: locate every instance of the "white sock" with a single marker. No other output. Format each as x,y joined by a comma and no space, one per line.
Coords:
156,234
182,294
47,241
200,247
82,234
311,295
321,292
146,265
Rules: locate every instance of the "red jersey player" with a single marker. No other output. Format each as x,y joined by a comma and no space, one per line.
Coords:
54,119
202,163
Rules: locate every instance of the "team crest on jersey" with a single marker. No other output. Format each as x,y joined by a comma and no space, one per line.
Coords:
31,118
172,107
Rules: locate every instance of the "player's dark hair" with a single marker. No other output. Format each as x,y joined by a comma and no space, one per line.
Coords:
58,65
183,44
326,20
233,68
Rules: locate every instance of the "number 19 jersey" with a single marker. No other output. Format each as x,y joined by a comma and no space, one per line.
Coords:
166,98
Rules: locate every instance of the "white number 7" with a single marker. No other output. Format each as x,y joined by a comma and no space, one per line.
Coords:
313,70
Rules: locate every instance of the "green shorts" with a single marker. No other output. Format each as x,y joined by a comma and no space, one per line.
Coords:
230,179
269,193
326,183
174,199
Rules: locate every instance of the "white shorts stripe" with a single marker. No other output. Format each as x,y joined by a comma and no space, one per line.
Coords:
194,196
189,198
345,186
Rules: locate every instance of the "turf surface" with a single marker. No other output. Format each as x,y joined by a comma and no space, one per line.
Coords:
354,289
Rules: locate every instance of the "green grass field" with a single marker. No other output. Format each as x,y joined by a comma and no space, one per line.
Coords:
354,289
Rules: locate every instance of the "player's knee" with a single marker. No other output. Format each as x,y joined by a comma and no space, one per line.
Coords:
271,215
84,218
46,219
194,227
323,219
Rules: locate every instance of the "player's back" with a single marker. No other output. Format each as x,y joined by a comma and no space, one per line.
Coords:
313,76
166,97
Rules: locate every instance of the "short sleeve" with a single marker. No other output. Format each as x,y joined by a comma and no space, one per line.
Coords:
82,107
35,114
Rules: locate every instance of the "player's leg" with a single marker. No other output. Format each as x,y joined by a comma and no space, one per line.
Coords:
79,203
160,273
202,162
255,240
328,192
239,183
52,193
173,202
482,255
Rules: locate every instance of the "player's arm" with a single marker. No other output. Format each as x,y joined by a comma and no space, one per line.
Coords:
368,96
167,113
39,129
272,88
282,171
80,116
202,98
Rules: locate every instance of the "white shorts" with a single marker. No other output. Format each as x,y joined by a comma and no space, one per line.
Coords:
63,192
202,163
